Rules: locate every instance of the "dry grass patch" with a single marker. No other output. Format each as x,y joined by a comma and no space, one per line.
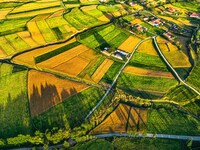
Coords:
101,70
146,72
129,44
46,90
28,58
147,48
35,33
124,118
25,35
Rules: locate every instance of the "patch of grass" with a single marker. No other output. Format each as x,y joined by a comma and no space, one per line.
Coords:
147,61
112,72
96,65
53,53
194,107
108,8
14,107
49,36
193,6
71,112
172,122
194,76
80,20
13,24
97,144
181,93
125,143
145,83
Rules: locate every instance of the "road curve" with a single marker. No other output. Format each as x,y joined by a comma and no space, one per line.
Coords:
150,135
173,70
114,81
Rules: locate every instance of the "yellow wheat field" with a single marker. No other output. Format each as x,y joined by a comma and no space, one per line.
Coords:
4,12
138,21
72,67
172,47
70,29
33,13
159,39
129,44
87,8
6,46
146,72
124,118
101,70
46,90
63,57
40,17
35,33
164,47
2,53
103,18
88,55
28,58
147,48
116,13
25,35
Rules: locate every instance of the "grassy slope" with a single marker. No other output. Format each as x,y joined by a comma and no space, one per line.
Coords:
14,109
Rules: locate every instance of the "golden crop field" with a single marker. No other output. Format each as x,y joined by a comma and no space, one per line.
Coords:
28,58
4,12
116,14
138,21
172,47
101,70
70,28
124,118
34,13
25,35
88,55
63,57
146,72
5,45
163,47
46,90
147,48
35,5
87,8
172,20
35,32
129,44
103,18
177,59
160,39
40,17
72,67
2,53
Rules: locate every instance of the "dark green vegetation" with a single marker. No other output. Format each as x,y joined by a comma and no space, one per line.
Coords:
68,114
194,107
172,122
97,144
112,72
14,109
147,61
53,53
194,76
128,81
181,93
107,36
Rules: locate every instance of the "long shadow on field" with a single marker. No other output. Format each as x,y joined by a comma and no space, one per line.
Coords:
101,41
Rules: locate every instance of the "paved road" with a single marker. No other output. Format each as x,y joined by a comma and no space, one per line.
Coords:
117,76
150,135
174,71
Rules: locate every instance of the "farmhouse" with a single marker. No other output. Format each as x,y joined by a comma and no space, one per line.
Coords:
155,22
195,15
139,28
169,35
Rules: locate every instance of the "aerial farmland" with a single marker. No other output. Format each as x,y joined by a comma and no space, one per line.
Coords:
99,74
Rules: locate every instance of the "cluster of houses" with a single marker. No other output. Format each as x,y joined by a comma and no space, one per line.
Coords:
171,11
154,21
169,35
194,15
139,28
119,54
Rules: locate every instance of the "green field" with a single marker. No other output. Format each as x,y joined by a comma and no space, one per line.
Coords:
172,122
71,112
112,72
193,79
13,25
189,6
101,36
108,8
181,93
14,108
194,107
94,12
6,46
128,81
147,61
80,20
